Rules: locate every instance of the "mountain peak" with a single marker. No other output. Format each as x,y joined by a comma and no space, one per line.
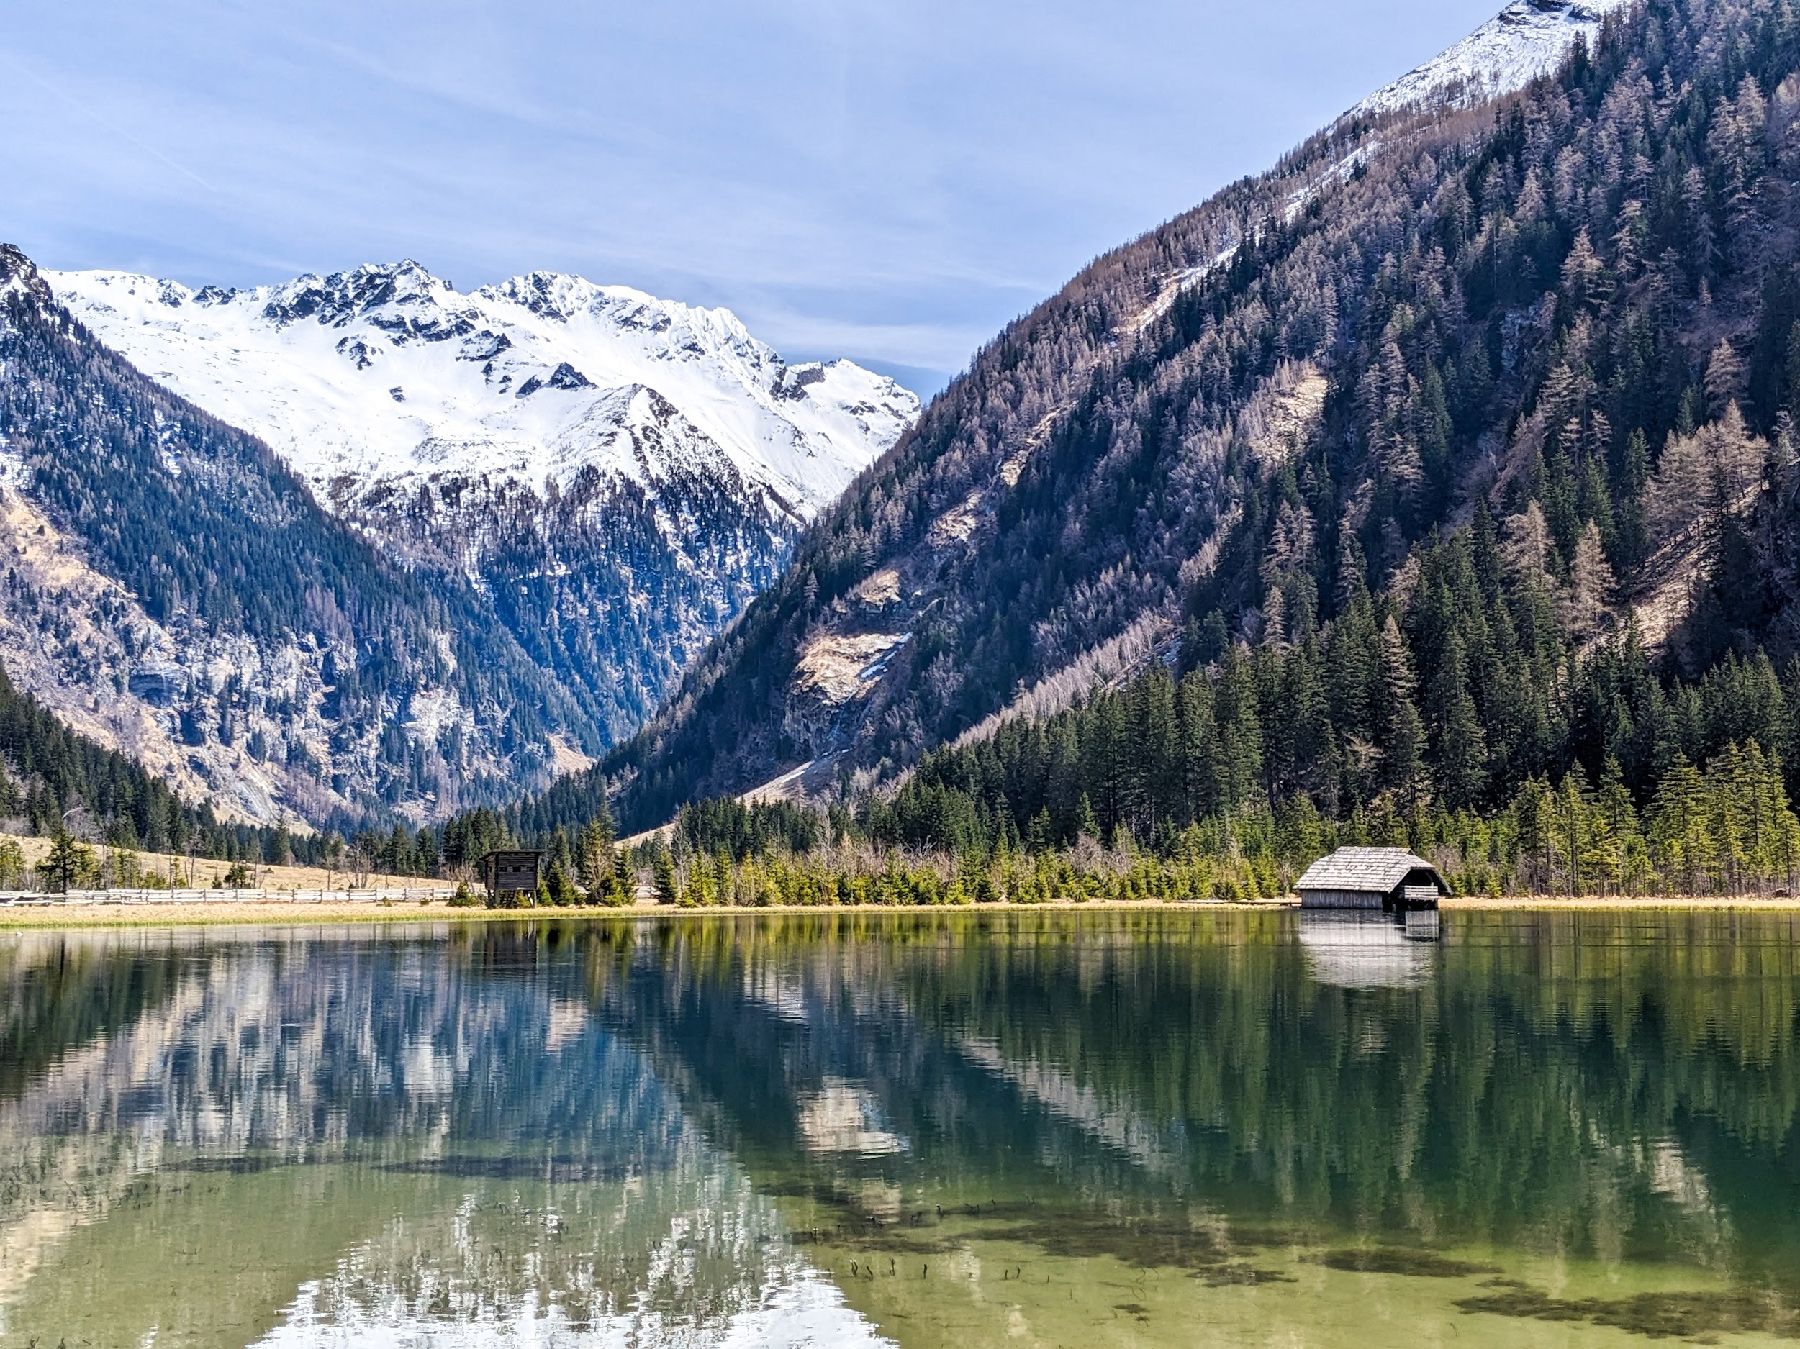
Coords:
18,272
1527,39
564,298
552,295
341,297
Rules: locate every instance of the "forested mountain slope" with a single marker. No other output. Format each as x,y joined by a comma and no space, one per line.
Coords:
170,589
53,781
1465,393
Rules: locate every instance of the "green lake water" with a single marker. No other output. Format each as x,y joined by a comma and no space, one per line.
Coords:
1031,1128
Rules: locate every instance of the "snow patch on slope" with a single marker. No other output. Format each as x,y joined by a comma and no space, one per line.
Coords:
1527,39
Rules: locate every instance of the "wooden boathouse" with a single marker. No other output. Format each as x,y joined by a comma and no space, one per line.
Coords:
1390,879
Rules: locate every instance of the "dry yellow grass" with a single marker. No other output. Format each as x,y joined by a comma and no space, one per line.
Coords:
252,913
206,870
1551,903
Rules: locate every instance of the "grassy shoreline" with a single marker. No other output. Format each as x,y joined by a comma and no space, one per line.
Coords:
263,914
1684,903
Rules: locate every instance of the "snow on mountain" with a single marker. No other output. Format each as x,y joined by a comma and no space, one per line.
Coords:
173,592
1525,40
618,475
388,372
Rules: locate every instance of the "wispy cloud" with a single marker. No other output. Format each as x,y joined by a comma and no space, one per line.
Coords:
892,181
110,127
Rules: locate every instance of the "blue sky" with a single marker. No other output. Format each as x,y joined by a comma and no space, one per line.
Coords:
889,181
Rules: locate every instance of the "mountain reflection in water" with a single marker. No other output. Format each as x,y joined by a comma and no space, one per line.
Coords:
919,1129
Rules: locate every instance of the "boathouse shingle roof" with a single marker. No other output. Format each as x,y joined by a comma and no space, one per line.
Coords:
1371,870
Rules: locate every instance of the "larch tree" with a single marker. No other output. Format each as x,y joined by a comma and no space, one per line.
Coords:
1724,379
1587,598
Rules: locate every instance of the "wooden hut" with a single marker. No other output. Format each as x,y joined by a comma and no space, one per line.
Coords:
511,871
1390,879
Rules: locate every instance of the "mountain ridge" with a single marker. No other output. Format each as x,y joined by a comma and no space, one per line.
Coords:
355,340
173,591
1523,42
1241,416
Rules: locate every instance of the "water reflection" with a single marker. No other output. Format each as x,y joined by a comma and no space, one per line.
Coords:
1422,925
1370,950
926,1129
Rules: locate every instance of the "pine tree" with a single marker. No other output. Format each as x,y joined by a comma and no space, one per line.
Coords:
1240,732
1199,749
1682,489
1680,841
1087,824
663,865
281,848
623,888
1527,548
1581,846
66,863
1462,748
1724,379
558,889
594,860
1157,793
1534,814
1403,731
1584,275
1618,817
1630,523
12,865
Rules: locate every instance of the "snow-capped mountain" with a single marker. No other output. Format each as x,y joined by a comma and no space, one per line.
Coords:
388,371
1525,40
620,473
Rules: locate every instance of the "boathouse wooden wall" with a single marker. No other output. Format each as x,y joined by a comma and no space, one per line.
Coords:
1342,899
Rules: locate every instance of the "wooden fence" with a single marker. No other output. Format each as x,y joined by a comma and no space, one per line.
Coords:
414,894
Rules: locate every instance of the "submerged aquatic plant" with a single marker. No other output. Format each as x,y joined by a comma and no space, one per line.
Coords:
1699,1316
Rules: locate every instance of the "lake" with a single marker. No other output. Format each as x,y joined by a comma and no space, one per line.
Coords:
1025,1127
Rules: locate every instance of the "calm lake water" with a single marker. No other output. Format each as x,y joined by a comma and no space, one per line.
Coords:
1024,1128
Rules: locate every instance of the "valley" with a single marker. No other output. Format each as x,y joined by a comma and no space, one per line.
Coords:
578,534
1397,494
1264,809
